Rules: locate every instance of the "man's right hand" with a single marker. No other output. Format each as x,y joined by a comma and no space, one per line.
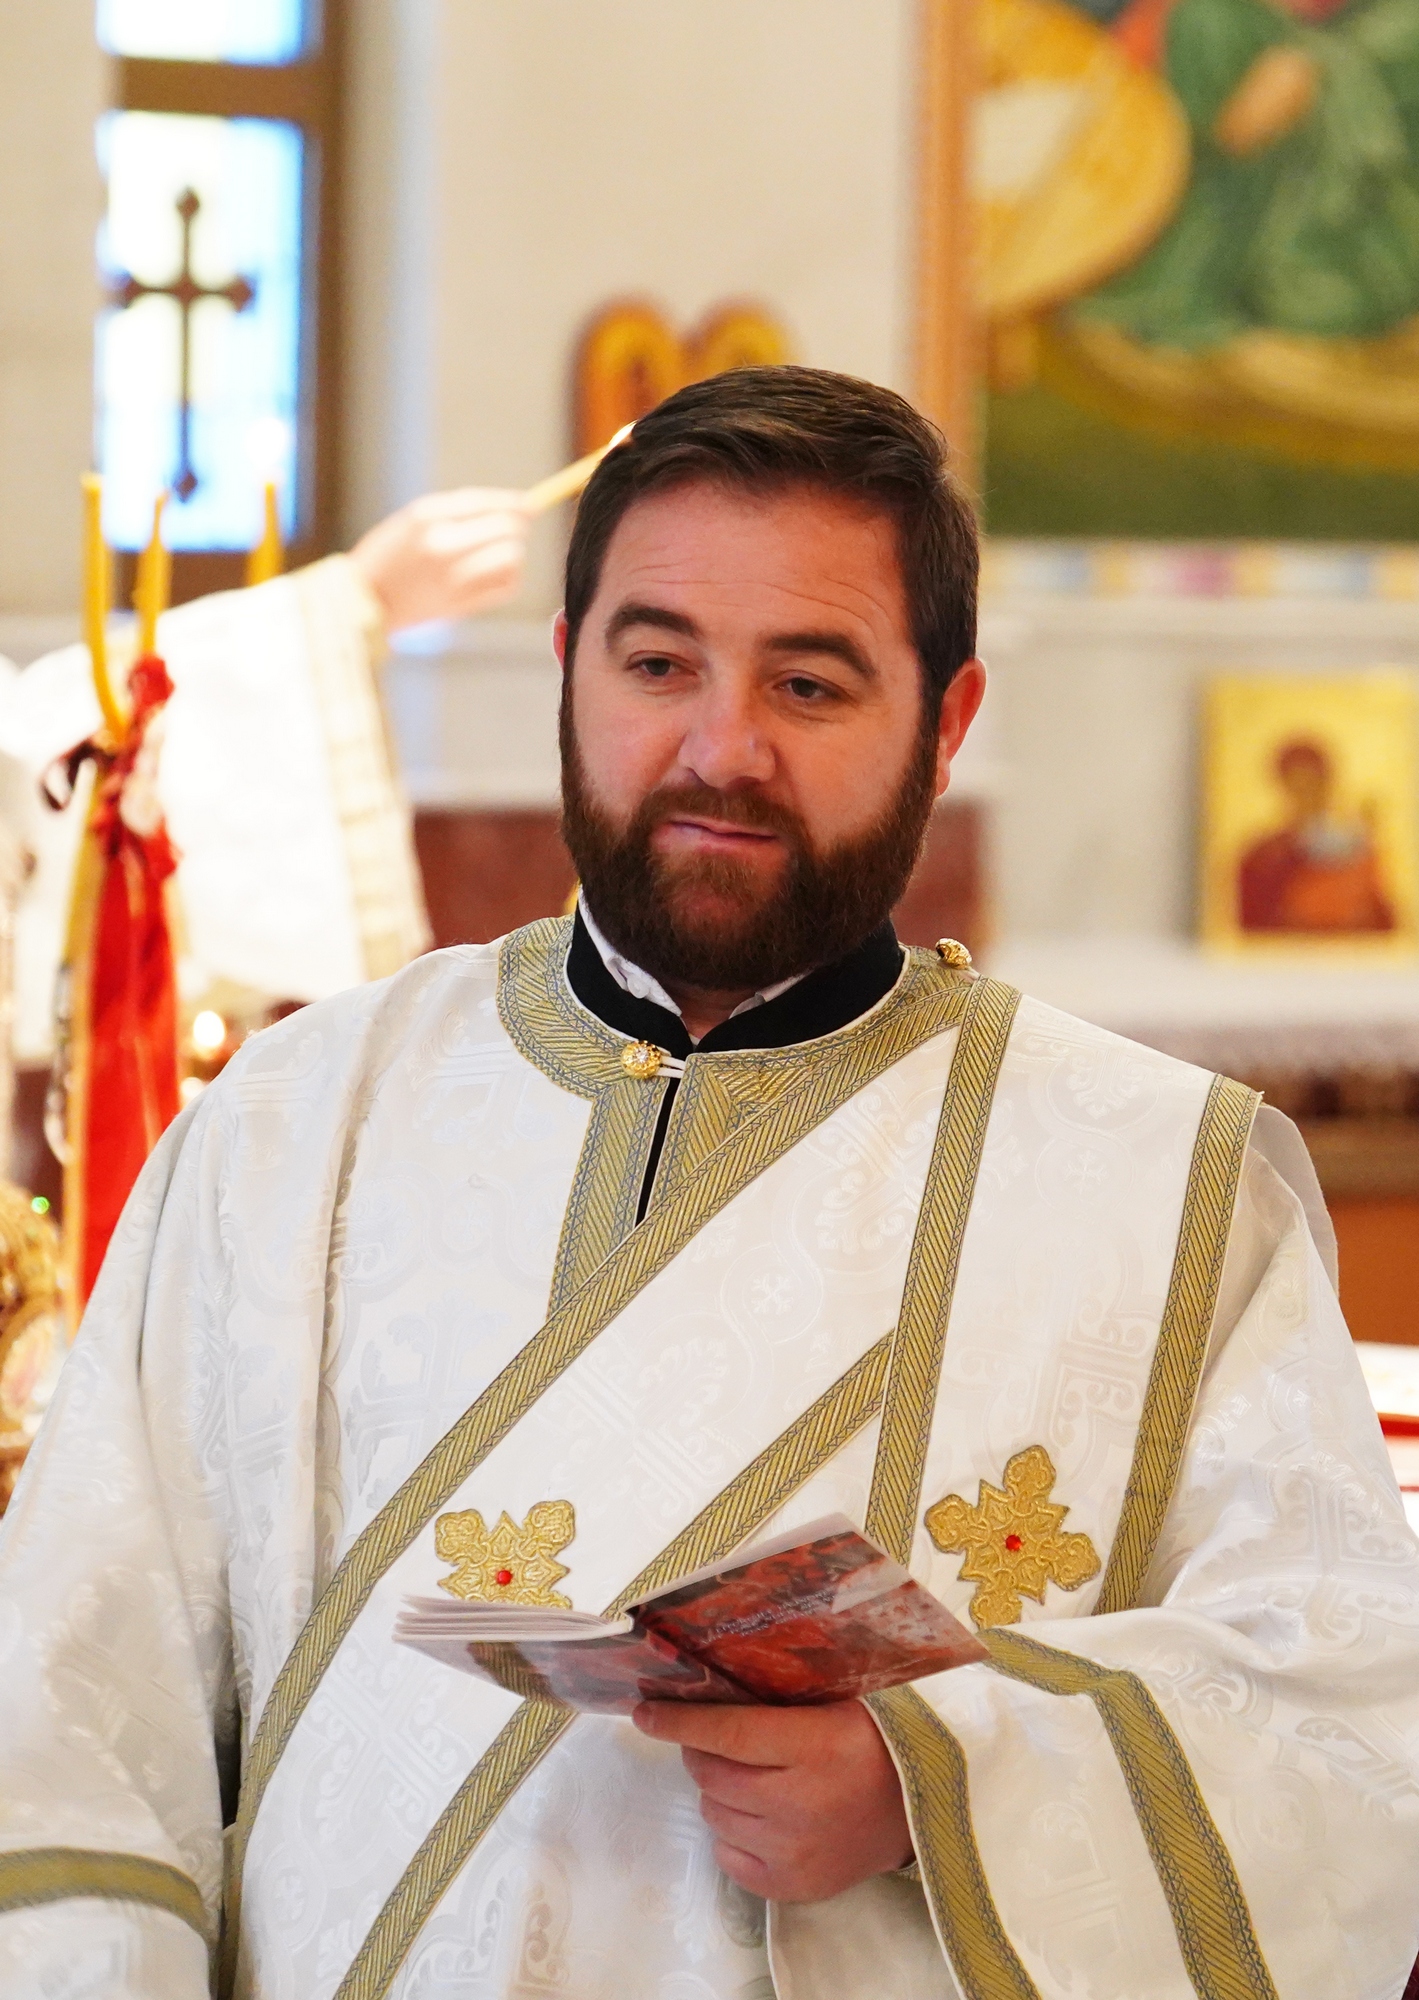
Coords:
448,555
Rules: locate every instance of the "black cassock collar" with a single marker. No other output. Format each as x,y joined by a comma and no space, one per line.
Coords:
816,1005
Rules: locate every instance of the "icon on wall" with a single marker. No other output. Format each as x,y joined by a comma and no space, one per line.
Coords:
630,358
1311,813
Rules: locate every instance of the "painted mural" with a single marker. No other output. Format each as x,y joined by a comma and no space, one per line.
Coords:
1199,266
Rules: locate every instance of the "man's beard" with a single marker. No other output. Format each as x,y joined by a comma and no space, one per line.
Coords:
710,921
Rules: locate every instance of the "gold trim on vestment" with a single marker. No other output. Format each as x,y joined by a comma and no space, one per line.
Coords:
512,1756
510,1562
1013,1539
35,1875
936,1791
920,1338
572,1048
1209,1909
750,1499
929,1760
717,1093
581,1054
1183,1337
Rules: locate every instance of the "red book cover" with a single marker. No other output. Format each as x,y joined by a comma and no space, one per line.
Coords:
825,1621
827,1617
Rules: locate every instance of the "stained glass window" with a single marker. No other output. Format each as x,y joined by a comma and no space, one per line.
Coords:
202,250
235,31
215,354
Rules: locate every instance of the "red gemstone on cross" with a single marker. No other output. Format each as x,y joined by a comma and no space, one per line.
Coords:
503,1578
1013,1542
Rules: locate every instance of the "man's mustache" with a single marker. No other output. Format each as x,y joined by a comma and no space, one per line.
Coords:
747,809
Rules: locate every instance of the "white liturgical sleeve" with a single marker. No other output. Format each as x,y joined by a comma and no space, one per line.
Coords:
296,873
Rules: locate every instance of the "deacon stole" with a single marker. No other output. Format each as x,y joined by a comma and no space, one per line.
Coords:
122,1051
740,1122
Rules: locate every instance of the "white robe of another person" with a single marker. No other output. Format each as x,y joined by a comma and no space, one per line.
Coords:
296,874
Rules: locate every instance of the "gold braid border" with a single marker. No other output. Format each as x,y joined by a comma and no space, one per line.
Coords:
36,1875
932,1768
756,1493
601,1208
582,1055
1209,1910
929,1760
931,1271
1186,1328
927,1002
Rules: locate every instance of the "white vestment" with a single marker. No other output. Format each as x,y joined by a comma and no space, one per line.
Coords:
297,876
387,1267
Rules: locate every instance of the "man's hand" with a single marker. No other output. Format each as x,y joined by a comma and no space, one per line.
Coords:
449,555
803,1802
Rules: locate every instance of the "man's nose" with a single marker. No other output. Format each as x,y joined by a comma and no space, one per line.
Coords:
727,744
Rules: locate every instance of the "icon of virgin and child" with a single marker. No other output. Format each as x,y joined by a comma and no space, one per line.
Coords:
1319,871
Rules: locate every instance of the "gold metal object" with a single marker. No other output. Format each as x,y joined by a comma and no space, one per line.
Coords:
642,1060
953,954
29,1323
1012,1540
506,1564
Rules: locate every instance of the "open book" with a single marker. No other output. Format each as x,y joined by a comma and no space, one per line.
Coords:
820,1615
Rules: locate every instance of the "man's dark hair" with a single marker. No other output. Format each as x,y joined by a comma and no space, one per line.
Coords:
759,430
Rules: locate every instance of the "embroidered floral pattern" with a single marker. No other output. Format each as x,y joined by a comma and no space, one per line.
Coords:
1011,1539
506,1564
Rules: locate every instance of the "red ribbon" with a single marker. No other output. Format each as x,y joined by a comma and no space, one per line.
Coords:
131,1093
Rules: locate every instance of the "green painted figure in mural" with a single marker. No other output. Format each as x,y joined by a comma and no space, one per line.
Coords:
1302,213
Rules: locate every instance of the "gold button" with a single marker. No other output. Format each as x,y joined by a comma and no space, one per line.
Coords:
642,1060
953,954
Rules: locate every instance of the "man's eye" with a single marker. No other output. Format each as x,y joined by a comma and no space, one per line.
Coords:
804,689
656,666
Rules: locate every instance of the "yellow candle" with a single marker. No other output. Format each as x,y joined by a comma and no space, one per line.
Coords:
566,484
153,584
96,604
268,558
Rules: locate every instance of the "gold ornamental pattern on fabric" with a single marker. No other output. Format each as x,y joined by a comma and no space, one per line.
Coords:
567,1044
29,1324
506,1564
752,1497
1197,1875
642,1060
1203,1234
932,1767
1012,1539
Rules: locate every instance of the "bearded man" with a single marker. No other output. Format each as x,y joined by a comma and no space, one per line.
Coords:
705,1214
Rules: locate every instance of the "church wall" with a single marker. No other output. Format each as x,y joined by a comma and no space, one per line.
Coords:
51,90
1098,706
756,148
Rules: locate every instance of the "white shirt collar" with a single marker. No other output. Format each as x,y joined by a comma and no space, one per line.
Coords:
642,986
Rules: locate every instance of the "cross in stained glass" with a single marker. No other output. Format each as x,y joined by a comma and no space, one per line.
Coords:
186,292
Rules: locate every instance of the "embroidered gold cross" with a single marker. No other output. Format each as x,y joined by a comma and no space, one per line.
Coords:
1011,1540
506,1564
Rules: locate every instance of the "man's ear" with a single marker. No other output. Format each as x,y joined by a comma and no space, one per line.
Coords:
959,707
559,639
